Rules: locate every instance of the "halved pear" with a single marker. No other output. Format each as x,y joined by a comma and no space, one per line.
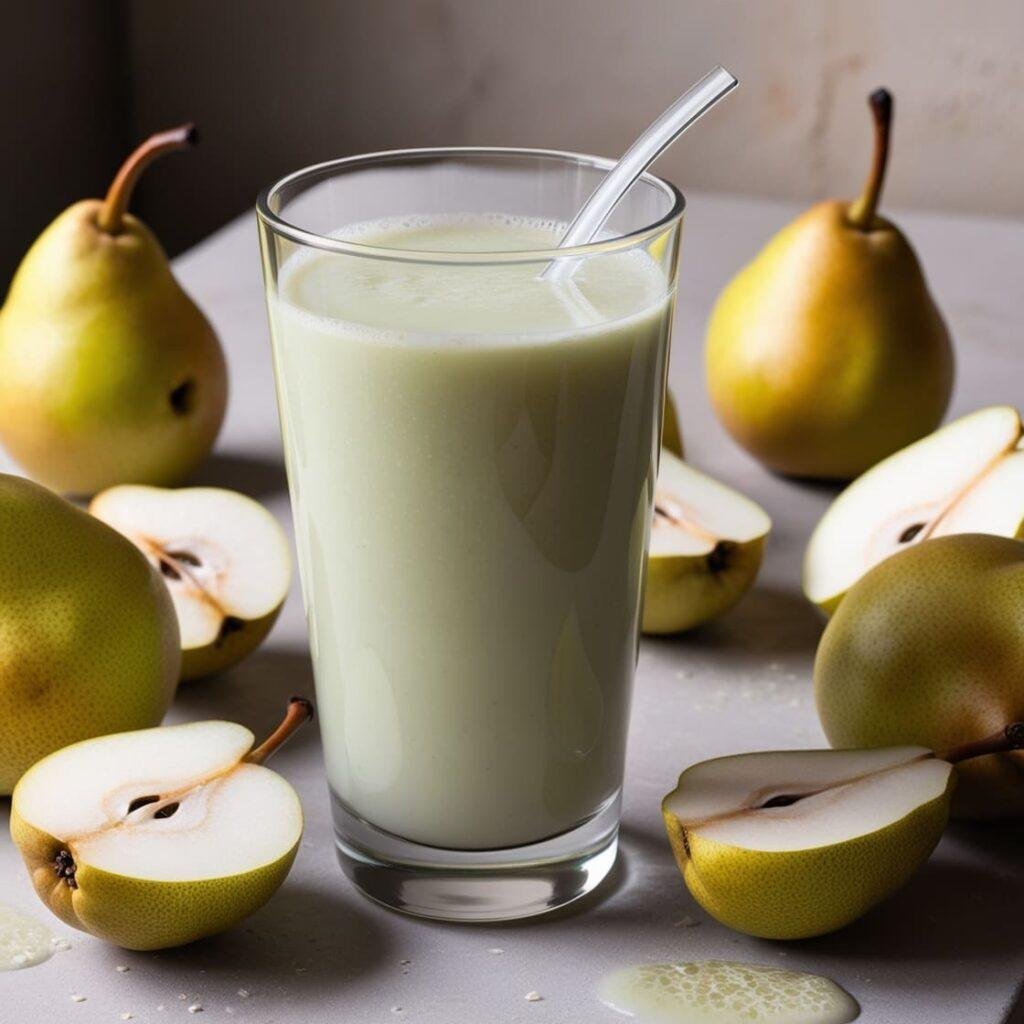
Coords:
967,477
223,556
159,837
705,550
791,844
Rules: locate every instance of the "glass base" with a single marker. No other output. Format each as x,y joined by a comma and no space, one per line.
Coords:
477,886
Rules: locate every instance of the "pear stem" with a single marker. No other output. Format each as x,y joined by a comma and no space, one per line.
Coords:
120,192
300,710
1011,737
861,214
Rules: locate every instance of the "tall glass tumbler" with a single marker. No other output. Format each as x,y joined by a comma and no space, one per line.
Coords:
471,455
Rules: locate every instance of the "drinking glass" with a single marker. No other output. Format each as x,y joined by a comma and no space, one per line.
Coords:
471,453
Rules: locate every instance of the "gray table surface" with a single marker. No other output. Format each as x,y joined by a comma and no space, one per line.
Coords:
948,948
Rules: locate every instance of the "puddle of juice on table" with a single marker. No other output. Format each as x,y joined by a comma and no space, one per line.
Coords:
24,941
723,992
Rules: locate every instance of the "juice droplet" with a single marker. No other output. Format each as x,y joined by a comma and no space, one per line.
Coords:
722,992
24,941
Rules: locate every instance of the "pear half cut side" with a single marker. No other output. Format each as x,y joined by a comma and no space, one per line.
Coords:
155,838
705,550
793,844
967,477
224,559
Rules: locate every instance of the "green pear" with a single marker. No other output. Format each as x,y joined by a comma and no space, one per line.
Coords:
159,837
224,559
928,647
89,637
967,477
827,352
109,373
705,548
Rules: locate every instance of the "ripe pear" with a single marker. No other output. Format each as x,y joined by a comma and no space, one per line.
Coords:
827,352
88,636
967,477
224,559
928,648
109,373
705,549
159,837
796,843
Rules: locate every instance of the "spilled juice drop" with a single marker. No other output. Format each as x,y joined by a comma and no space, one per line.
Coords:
722,992
24,941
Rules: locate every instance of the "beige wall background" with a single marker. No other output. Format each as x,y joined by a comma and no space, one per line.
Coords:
274,85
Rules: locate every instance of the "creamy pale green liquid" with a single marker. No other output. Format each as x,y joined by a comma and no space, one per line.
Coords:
24,941
471,455
723,992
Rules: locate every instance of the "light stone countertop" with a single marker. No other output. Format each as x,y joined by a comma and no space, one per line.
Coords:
948,949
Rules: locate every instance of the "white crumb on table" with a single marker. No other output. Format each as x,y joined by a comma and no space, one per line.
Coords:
533,997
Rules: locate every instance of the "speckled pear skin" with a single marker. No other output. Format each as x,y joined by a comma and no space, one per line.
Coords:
139,913
88,635
928,648
802,893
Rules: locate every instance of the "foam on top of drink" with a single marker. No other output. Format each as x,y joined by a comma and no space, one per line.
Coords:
460,303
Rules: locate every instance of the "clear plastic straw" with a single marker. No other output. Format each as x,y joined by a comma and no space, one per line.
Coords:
691,106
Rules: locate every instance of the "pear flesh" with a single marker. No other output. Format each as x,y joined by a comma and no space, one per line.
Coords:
967,477
90,638
224,558
158,837
705,548
793,844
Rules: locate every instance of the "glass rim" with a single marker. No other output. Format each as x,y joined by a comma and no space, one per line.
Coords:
280,226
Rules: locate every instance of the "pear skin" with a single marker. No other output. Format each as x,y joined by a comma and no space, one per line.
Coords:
827,352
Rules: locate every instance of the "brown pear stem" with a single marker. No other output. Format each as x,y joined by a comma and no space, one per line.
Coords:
1011,737
862,212
120,192
300,710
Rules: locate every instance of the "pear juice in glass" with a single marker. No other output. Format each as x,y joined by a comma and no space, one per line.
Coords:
471,454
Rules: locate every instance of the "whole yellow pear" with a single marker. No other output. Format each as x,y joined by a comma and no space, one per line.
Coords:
88,636
827,352
928,648
109,373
